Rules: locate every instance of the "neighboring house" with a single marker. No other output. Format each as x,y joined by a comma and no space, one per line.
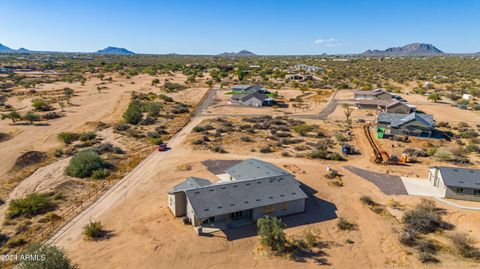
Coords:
387,105
4,70
413,124
309,68
255,189
253,99
400,107
467,97
299,77
373,95
455,182
246,89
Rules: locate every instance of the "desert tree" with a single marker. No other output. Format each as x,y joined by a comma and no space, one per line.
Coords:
49,256
348,112
68,92
13,116
271,233
31,117
435,97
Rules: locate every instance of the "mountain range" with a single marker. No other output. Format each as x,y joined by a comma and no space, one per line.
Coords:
237,54
414,49
115,50
107,50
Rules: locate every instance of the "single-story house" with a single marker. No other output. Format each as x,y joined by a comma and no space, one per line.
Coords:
253,99
246,89
255,189
373,95
309,68
299,77
413,124
455,182
400,107
387,105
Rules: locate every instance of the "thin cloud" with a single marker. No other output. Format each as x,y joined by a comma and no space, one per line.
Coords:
334,44
324,41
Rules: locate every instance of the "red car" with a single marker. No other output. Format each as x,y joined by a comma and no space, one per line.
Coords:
162,147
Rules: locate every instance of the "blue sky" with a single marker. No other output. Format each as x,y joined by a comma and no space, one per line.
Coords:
264,27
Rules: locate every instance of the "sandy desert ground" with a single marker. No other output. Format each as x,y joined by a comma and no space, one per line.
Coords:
153,238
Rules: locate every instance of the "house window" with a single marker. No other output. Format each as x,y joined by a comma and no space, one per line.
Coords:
459,190
171,201
268,209
476,192
284,206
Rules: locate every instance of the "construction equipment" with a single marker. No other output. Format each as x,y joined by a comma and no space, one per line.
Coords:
380,156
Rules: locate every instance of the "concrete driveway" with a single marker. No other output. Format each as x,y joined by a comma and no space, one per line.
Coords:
420,187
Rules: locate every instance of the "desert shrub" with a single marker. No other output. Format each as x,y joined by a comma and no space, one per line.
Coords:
134,133
408,237
84,163
302,129
427,246
100,173
179,109
3,239
41,105
367,200
67,137
218,149
443,154
426,257
165,98
285,154
147,121
246,139
55,258
424,218
470,133
464,244
431,151
173,87
271,233
341,138
121,127
50,217
94,231
152,108
87,136
266,149
133,114
155,140
32,205
16,242
344,224
198,129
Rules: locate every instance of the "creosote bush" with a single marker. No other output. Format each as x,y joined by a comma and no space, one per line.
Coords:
84,163
33,204
271,233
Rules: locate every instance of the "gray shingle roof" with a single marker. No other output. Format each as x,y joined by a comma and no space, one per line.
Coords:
236,196
397,120
259,96
190,183
253,169
460,177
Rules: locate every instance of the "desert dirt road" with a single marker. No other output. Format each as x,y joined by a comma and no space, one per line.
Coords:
147,168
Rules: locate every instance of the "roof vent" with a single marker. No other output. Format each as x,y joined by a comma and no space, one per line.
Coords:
246,202
258,200
282,195
197,192
456,170
235,186
258,182
271,197
206,209
210,189
293,193
248,184
219,207
224,188
232,204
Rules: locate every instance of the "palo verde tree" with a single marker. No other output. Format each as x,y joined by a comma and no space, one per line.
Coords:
271,233
13,116
68,92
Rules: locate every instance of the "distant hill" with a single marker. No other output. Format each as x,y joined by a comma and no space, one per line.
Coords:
4,48
414,49
240,53
115,50
23,50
